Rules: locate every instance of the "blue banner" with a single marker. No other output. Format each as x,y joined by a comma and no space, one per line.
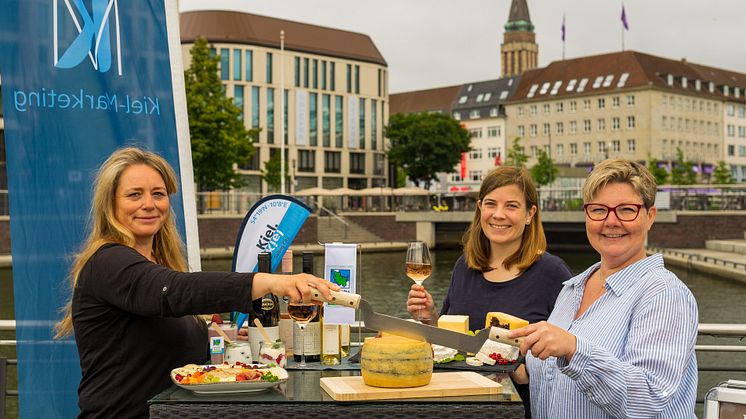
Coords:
79,80
270,226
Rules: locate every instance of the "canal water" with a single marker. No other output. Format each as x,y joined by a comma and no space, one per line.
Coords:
383,283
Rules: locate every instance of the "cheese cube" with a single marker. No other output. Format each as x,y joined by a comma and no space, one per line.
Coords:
485,359
506,321
453,322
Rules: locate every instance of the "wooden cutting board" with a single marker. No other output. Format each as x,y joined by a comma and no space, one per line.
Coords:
443,384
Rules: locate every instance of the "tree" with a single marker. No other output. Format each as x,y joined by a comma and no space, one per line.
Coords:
660,173
426,144
219,138
683,171
516,154
271,172
544,171
721,175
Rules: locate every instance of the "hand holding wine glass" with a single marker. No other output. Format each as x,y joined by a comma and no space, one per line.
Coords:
302,313
418,265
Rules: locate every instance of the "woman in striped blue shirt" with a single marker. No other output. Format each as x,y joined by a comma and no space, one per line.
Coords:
620,340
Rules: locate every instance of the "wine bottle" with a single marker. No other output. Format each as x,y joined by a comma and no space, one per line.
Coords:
286,323
330,348
344,340
266,309
312,337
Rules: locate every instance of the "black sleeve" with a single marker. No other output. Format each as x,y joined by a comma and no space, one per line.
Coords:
125,279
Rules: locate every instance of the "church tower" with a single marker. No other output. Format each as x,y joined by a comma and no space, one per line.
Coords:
519,49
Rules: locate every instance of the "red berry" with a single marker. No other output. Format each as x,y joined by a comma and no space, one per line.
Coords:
179,377
217,319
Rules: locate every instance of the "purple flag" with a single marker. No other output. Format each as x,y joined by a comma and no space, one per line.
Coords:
624,19
563,28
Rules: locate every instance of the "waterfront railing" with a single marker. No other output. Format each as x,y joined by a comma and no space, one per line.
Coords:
566,198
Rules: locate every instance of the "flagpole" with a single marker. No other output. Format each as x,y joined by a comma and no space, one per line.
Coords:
282,112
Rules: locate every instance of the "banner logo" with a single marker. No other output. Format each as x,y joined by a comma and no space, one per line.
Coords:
94,39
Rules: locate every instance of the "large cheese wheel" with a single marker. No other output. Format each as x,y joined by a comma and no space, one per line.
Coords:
394,361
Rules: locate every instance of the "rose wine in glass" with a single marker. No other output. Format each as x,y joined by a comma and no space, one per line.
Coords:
302,313
418,265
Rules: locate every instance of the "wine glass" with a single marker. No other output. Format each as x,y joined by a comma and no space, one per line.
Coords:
302,313
418,264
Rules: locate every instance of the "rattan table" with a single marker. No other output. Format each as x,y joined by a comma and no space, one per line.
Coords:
302,396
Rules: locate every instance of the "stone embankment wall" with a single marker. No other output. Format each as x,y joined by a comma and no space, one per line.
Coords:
692,230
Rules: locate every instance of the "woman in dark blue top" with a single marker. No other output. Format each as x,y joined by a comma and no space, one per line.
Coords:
505,266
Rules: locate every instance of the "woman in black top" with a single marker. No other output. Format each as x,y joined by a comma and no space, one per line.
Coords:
133,303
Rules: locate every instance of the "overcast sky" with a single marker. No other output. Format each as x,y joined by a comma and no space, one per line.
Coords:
434,43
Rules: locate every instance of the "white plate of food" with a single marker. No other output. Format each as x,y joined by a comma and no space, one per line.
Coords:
225,378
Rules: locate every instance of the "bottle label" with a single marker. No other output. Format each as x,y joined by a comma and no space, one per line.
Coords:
312,339
330,340
268,304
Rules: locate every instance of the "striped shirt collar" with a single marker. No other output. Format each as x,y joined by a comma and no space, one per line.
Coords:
621,280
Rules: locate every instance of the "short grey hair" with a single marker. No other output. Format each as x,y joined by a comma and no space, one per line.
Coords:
621,171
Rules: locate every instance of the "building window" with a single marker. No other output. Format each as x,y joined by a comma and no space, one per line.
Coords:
313,114
547,129
357,163
306,160
601,124
731,130
297,71
373,124
742,131
270,115
534,130
546,109
560,107
474,114
731,150
573,149
631,145
616,146
560,128
602,147
238,98
630,122
326,120
615,123
323,74
586,104
534,150
255,111
475,132
349,78
494,112
601,103
315,74
573,127
361,131
475,154
237,70
332,76
520,111
493,152
332,161
586,125
269,67
494,131
587,148
306,71
573,106
521,131
560,150
615,102
457,116
742,112
463,99
357,79
338,121
249,65
378,161
532,110
225,64
631,100
475,175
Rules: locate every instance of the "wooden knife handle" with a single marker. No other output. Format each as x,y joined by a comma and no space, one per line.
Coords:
501,335
345,299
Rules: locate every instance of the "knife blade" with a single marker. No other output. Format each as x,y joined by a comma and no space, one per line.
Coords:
413,330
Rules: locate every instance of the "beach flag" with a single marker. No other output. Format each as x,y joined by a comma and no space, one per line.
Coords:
269,226
624,18
463,166
563,28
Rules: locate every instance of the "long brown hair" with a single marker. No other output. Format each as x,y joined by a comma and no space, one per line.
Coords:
533,242
105,228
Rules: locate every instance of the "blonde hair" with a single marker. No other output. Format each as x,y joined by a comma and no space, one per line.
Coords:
621,171
533,242
105,228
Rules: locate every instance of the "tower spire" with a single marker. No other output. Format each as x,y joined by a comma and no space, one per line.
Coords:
519,49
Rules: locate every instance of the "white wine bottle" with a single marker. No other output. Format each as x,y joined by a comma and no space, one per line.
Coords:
344,340
330,348
312,337
286,323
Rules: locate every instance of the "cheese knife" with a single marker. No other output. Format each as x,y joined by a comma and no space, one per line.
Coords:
413,330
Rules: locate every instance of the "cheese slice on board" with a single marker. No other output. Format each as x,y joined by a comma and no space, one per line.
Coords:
453,322
506,321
